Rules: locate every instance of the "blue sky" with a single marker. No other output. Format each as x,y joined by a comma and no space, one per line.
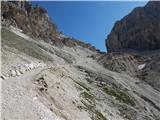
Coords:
88,21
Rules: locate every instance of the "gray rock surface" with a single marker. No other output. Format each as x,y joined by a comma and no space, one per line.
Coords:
34,21
137,34
139,30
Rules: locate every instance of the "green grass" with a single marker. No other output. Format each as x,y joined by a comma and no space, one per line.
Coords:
94,113
88,96
46,49
98,116
82,85
119,95
28,47
89,104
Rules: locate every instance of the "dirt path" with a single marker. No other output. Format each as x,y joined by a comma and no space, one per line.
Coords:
19,95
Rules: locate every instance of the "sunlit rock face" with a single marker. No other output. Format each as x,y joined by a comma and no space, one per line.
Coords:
139,30
34,21
137,34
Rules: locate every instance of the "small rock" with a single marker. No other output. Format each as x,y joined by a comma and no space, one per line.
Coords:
22,70
31,66
26,67
1,79
13,73
36,82
18,73
4,77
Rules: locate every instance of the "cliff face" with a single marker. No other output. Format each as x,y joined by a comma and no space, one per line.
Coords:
34,21
136,35
138,31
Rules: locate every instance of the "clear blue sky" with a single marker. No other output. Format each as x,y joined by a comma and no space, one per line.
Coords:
88,21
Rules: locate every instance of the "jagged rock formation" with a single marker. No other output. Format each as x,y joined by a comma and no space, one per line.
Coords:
70,42
136,34
119,62
35,22
151,72
143,65
138,31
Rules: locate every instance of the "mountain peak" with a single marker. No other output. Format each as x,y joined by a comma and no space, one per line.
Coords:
139,30
35,22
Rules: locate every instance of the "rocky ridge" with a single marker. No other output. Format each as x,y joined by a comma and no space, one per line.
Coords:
137,35
36,23
139,30
120,62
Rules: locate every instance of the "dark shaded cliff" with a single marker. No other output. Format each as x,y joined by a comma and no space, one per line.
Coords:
134,42
137,31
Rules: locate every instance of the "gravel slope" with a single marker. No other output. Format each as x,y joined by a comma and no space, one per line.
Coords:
73,86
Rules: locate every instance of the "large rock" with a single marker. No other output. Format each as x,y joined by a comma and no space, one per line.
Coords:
140,30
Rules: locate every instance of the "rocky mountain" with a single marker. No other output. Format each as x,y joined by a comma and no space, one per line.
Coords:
47,77
136,35
120,62
36,23
139,30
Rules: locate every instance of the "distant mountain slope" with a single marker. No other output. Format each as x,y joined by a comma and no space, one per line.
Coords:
140,30
35,22
46,82
134,43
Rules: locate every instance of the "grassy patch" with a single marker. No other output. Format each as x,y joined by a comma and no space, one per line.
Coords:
89,105
28,47
89,102
98,116
88,96
82,85
119,95
46,49
95,114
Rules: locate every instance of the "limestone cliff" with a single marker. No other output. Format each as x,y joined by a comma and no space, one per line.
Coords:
139,30
35,22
